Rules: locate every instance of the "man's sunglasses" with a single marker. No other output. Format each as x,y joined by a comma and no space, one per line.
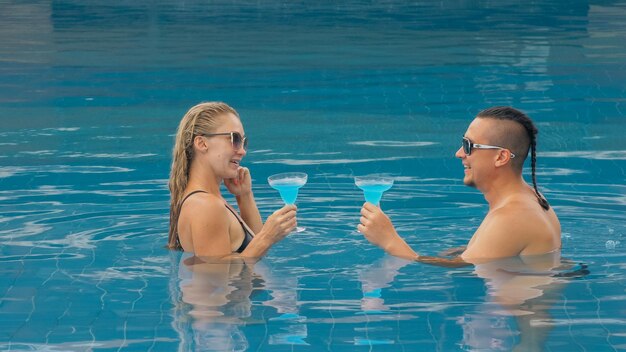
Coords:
468,146
235,139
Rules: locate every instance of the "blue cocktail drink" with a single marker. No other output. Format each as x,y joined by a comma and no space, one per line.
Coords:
288,184
374,192
288,189
373,187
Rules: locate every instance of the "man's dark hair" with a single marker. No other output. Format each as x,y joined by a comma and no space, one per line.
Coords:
506,113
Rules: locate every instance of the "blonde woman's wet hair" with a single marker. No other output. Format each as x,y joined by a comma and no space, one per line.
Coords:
201,119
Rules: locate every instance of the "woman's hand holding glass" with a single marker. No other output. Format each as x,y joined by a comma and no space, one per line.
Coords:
279,224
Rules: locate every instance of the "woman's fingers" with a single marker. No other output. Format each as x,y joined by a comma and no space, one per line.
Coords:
286,209
285,218
243,173
292,224
285,226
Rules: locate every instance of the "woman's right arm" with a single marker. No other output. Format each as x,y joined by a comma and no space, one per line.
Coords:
211,232
210,227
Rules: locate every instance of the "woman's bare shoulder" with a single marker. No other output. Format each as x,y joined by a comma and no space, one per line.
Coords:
205,203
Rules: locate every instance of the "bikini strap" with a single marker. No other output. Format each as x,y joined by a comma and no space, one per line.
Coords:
189,195
240,220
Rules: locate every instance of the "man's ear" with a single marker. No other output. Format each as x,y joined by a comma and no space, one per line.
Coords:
503,158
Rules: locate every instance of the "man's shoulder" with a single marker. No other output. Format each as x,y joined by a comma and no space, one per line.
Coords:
525,216
517,227
522,206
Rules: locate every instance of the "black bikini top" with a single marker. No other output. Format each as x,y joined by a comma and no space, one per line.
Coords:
248,236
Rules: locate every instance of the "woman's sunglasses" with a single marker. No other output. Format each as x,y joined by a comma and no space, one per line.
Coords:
235,139
468,146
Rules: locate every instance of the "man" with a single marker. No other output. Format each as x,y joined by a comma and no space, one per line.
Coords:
520,221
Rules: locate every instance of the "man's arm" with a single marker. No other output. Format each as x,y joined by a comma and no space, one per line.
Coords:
456,262
378,229
453,252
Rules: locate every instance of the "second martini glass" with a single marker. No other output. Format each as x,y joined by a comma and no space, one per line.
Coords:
373,186
288,184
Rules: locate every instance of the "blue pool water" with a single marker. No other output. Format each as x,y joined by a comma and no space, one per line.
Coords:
91,94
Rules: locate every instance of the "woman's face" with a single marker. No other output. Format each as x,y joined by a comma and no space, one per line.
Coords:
221,155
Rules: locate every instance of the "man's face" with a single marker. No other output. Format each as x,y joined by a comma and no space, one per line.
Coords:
478,165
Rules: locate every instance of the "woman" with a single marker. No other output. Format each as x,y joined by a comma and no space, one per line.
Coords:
210,144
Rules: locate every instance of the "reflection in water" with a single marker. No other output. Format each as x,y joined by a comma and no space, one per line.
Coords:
213,303
284,298
515,312
520,292
376,277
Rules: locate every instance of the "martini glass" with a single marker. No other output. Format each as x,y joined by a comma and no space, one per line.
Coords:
288,184
373,186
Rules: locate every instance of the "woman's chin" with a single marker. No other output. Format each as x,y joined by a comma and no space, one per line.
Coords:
232,174
228,174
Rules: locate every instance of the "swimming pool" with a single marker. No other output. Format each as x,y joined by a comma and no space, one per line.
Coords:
90,96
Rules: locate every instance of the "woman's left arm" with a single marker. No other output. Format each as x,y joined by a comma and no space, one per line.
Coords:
249,212
241,188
